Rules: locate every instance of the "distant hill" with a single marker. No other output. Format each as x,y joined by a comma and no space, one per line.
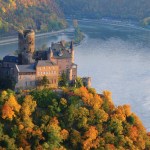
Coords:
120,9
41,15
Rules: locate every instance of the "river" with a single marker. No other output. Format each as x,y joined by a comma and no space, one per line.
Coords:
117,57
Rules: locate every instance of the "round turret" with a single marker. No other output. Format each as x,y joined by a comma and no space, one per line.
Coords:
26,41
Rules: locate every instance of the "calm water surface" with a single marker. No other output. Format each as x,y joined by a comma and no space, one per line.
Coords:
117,57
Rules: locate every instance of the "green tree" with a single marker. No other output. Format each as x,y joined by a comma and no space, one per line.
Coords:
44,81
78,82
63,80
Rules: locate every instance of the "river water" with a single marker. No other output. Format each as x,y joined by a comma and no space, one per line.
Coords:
117,57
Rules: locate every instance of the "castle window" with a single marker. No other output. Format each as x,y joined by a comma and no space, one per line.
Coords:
55,80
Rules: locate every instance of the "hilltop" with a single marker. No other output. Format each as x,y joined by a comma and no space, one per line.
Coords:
71,118
41,15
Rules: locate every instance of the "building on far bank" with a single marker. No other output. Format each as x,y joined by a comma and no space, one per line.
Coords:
31,66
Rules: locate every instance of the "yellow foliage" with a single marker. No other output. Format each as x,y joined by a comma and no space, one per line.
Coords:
108,95
63,101
4,94
3,9
13,103
21,127
119,113
28,106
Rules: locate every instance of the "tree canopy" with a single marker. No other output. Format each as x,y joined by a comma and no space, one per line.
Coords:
77,118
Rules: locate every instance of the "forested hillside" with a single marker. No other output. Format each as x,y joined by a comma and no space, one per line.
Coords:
71,119
48,15
41,15
121,9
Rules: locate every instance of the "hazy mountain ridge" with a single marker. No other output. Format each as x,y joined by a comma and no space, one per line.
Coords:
122,9
42,15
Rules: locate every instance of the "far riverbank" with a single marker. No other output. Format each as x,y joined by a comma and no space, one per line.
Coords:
14,39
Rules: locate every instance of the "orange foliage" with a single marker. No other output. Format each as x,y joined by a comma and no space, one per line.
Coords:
110,147
54,121
127,110
119,113
133,133
7,112
64,134
91,139
21,127
88,98
139,124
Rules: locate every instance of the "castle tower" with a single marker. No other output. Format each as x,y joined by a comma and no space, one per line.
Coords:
70,74
87,81
26,46
72,51
26,41
50,53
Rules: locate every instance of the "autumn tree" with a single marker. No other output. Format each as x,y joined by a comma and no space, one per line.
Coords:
10,108
91,139
28,107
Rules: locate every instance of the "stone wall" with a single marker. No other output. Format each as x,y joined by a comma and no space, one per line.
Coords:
26,81
51,72
87,81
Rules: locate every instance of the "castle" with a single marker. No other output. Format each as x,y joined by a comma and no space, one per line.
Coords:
31,66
